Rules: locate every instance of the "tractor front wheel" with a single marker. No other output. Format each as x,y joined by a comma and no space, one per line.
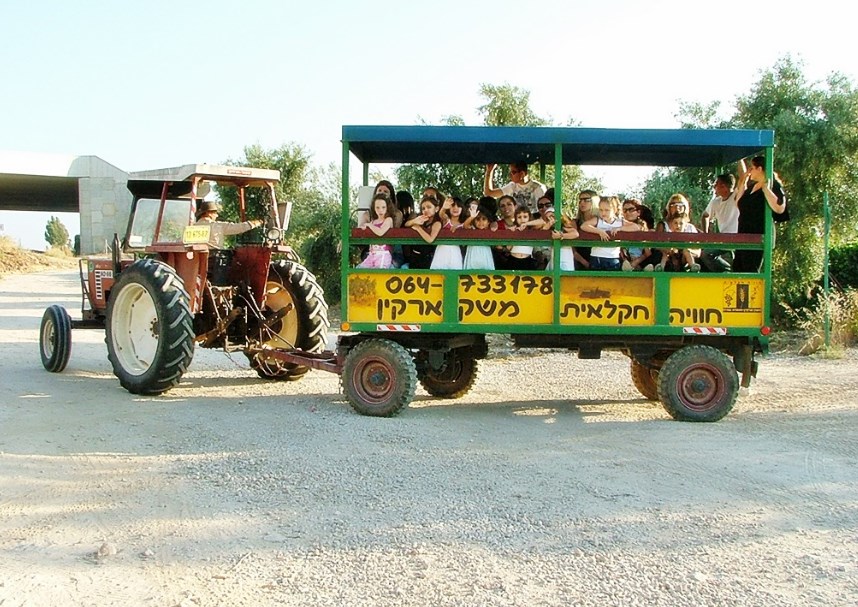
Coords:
55,339
149,329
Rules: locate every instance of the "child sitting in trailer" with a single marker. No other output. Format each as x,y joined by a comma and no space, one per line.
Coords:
677,260
521,256
428,225
567,254
478,256
381,220
636,258
449,256
606,224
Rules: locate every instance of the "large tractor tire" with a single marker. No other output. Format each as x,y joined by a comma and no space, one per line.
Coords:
149,329
698,383
645,380
55,339
379,377
454,380
305,326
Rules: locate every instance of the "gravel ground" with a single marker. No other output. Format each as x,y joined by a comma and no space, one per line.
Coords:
552,483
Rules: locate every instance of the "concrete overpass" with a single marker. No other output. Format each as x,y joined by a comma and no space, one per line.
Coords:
68,184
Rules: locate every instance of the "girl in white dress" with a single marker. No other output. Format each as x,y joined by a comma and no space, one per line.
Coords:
567,254
479,256
449,256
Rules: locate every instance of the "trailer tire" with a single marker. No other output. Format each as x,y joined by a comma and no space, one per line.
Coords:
304,327
699,384
149,328
55,339
379,378
645,379
454,381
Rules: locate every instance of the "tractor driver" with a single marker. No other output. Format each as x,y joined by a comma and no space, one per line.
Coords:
207,212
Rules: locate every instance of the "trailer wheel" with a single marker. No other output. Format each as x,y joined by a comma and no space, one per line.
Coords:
55,339
379,378
454,380
645,380
291,286
149,329
698,383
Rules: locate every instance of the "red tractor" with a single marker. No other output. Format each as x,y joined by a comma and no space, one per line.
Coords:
166,289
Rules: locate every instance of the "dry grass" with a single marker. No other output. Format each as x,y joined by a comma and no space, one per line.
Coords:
787,340
14,259
59,252
841,310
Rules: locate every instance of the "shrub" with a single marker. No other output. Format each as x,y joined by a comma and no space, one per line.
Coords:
842,310
843,265
316,234
56,233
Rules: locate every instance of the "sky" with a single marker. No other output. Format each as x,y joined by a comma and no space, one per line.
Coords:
154,84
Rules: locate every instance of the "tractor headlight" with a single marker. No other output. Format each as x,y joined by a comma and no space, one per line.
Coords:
273,234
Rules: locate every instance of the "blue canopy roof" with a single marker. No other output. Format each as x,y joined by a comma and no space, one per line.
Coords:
581,146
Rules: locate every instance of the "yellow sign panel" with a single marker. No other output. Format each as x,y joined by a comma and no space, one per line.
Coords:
196,234
506,299
606,301
696,302
396,298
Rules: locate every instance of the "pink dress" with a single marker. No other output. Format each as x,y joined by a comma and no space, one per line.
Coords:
380,255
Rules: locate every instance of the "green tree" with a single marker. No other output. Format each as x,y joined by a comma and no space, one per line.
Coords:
314,226
693,182
816,131
56,234
293,162
816,137
508,105
664,183
505,105
315,230
461,180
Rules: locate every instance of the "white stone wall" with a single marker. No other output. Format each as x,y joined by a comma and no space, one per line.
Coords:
105,203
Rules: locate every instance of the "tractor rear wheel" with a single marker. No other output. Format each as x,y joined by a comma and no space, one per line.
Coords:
297,317
55,339
149,329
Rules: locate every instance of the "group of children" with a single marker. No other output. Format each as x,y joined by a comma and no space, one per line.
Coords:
675,219
433,218
447,214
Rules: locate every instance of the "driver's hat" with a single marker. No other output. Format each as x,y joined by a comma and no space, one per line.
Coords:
205,206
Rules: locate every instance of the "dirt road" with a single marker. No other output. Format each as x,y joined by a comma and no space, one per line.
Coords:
552,483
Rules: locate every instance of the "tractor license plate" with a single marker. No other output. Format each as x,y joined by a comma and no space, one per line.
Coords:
196,234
